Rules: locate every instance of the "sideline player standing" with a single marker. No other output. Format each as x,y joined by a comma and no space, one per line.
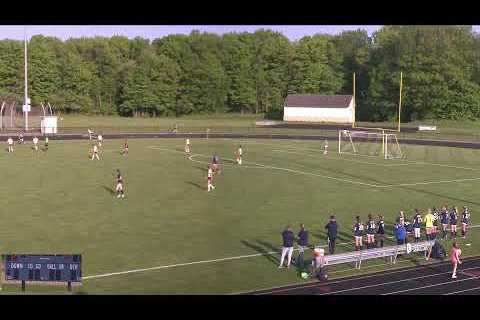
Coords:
453,222
119,187
187,146
444,221
210,185
287,237
302,244
436,217
465,221
239,155
358,232
325,148
10,144
125,148
417,220
370,232
381,230
95,152
35,143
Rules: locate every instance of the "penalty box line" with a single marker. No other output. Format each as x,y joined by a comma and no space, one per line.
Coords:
282,169
210,261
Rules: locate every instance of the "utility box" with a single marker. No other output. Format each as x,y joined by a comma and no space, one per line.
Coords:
49,125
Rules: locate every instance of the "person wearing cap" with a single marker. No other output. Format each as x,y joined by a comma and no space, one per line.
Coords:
302,244
287,237
332,228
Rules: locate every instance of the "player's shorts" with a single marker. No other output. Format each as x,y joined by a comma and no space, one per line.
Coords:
358,238
465,223
119,187
453,223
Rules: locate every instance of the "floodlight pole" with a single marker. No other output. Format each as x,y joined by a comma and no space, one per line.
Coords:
354,102
26,85
400,100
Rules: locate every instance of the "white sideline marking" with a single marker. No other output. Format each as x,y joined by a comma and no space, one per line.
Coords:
211,260
426,182
391,282
455,292
283,169
431,285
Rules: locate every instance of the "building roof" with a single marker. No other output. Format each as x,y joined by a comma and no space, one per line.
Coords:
318,101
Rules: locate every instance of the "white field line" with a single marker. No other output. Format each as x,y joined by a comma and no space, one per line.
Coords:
466,290
284,169
224,165
392,282
427,182
431,286
208,261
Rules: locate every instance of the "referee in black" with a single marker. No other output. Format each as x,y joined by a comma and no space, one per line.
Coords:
331,228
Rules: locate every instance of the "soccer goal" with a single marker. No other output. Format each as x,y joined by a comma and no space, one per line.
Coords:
369,143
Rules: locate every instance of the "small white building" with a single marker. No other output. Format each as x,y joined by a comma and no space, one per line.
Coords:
319,108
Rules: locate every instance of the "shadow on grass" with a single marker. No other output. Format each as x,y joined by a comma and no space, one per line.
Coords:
195,184
262,250
110,190
201,168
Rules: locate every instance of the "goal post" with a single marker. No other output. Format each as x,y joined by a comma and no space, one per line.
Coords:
369,143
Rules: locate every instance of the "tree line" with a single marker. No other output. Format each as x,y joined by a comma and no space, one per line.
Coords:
251,72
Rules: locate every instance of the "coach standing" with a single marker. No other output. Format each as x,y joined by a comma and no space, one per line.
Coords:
302,244
332,228
400,233
288,237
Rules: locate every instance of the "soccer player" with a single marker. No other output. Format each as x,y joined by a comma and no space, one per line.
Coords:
125,148
210,185
401,217
436,217
417,220
429,227
187,146
302,244
46,143
20,138
325,148
408,229
10,144
95,152
90,134
287,248
453,222
455,258
381,230
239,155
119,187
444,221
465,221
35,143
358,232
100,140
216,163
370,232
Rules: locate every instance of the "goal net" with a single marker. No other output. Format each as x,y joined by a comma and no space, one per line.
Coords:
368,143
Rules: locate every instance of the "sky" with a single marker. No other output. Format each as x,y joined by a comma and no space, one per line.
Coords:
293,32
157,31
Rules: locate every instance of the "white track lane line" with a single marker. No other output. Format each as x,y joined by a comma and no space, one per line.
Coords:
431,286
207,261
392,282
461,291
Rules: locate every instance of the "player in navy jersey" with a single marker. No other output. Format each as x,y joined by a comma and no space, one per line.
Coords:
444,221
465,221
453,222
417,220
119,187
408,228
216,164
381,230
371,232
436,217
358,233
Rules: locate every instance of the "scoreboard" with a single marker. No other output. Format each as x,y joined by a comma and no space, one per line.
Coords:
42,268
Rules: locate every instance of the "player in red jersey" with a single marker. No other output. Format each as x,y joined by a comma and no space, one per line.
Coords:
210,185
125,148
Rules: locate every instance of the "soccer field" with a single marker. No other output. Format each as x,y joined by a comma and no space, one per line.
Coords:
169,235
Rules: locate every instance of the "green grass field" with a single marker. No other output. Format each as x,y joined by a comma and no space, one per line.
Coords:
192,241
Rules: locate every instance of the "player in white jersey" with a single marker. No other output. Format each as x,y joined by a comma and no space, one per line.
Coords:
239,155
119,187
187,146
46,143
100,140
325,149
10,144
90,134
210,185
35,143
95,152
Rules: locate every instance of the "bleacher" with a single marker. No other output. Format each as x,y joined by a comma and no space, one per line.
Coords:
391,252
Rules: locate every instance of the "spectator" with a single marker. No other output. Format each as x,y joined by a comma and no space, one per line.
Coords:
302,244
400,233
455,258
288,237
332,229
